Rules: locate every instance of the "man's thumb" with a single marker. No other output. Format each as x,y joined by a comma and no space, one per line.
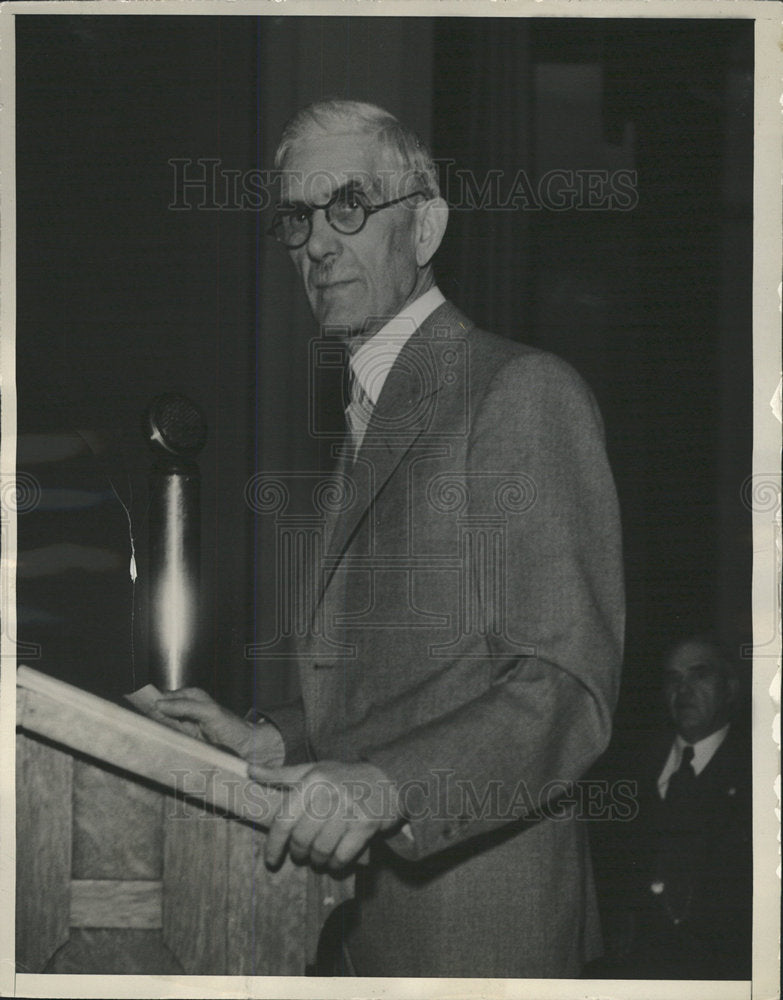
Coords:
277,775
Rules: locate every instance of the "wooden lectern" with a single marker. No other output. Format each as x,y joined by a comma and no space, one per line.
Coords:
140,850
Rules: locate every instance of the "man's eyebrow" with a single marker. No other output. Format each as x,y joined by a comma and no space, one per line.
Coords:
698,665
350,187
291,205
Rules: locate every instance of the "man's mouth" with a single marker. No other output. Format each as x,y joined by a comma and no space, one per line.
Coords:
322,285
686,706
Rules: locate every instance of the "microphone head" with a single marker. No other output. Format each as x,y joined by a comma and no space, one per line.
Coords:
175,425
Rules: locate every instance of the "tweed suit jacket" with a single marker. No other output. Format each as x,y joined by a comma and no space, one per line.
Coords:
468,640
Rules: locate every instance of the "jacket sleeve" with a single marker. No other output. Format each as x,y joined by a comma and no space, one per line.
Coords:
290,720
545,714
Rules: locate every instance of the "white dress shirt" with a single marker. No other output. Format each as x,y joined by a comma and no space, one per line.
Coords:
703,752
373,360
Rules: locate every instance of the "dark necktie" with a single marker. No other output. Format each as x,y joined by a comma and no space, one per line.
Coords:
679,843
682,781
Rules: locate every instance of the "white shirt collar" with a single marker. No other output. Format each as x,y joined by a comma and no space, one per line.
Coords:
703,752
373,361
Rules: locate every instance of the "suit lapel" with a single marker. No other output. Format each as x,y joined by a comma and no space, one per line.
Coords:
725,768
343,484
403,412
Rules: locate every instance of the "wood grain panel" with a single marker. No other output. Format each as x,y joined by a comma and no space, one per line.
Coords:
115,952
223,912
117,826
195,848
113,903
43,851
266,910
114,735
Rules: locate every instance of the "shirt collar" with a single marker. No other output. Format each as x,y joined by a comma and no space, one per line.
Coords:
373,361
704,750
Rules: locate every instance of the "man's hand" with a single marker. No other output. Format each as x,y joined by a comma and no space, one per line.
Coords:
329,813
257,743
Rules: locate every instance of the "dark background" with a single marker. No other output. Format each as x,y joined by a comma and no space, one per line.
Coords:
121,297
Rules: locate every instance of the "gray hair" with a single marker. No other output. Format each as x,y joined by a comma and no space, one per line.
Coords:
403,147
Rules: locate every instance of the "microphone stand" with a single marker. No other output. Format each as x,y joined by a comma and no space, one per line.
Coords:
176,431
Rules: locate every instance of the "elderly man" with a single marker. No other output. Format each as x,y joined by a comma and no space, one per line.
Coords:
689,877
463,662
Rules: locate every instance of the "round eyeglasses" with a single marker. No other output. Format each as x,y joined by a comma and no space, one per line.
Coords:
347,212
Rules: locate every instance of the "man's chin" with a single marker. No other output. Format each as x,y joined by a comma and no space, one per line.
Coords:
693,728
337,322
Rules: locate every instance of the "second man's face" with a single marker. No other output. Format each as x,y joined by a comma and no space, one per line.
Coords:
698,691
351,281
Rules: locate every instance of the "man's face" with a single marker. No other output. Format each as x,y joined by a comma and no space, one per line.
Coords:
698,691
350,279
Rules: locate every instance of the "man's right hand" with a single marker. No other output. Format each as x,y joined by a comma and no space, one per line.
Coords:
258,744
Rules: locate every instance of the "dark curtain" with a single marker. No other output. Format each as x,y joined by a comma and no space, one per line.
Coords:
123,295
484,141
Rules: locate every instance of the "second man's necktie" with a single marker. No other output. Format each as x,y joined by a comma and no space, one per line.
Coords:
682,781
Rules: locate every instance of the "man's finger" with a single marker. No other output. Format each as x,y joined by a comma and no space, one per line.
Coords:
182,707
285,775
277,840
194,694
301,840
325,843
349,848
173,706
286,814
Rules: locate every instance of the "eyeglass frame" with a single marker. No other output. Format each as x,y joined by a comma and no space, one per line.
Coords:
347,189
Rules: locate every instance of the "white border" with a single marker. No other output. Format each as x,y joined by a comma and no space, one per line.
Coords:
766,524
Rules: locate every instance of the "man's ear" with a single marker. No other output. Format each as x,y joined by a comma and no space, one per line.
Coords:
431,220
732,688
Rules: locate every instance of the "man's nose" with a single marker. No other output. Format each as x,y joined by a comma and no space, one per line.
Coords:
685,684
323,239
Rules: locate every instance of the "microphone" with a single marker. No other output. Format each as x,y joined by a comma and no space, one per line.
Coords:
176,431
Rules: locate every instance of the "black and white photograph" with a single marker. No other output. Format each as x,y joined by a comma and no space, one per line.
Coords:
390,499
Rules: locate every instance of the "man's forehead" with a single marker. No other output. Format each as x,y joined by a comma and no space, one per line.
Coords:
319,165
692,655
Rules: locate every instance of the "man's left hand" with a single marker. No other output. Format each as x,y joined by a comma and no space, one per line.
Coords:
329,813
